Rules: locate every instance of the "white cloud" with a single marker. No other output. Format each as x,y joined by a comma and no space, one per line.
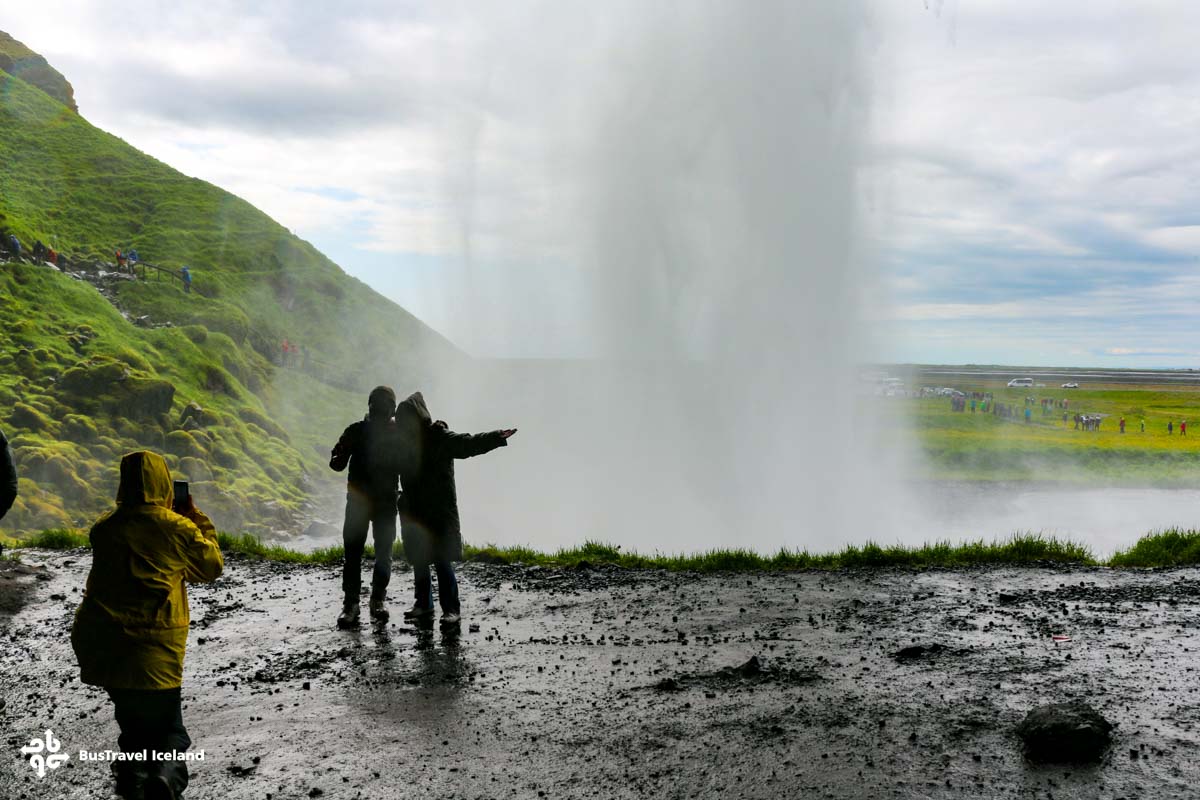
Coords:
1023,158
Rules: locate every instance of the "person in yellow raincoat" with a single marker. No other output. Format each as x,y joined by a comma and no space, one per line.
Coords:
131,629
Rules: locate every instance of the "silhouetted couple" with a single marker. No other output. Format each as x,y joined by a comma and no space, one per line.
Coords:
401,461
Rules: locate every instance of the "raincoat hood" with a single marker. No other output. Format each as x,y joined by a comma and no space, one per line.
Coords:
145,481
414,406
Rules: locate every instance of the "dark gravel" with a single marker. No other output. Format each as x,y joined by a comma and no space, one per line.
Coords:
601,682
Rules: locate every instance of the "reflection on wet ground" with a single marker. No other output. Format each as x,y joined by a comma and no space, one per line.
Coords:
611,683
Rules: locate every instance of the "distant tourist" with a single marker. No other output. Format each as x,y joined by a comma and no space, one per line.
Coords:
186,274
1143,426
1183,428
8,477
1170,427
120,261
429,523
133,256
1028,414
131,629
14,244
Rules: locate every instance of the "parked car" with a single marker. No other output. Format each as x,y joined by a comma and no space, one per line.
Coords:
1016,383
1070,386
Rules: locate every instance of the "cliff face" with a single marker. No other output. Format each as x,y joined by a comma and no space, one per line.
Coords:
19,61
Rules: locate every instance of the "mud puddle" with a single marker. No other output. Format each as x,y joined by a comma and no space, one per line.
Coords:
601,682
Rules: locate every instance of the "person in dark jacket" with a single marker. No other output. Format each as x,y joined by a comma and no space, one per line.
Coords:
8,477
371,449
429,524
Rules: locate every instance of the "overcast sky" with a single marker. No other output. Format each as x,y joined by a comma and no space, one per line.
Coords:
1029,173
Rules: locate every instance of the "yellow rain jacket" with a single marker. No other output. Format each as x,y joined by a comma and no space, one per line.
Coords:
131,629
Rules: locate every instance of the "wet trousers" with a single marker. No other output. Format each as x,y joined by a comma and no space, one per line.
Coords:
380,515
447,586
152,720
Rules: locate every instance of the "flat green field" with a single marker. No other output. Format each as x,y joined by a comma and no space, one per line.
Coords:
985,447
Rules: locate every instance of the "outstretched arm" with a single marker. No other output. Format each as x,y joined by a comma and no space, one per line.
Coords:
465,445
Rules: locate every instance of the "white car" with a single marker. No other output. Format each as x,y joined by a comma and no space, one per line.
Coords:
1070,386
1017,383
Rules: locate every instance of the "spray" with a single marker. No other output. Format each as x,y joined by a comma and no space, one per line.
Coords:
693,174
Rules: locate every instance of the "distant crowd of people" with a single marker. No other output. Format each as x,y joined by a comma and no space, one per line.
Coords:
127,260
294,355
985,403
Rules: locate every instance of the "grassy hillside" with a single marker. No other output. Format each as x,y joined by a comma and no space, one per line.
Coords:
81,384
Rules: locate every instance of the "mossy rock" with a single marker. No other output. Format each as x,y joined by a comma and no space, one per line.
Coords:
79,428
195,469
38,513
268,425
151,437
26,416
59,473
182,443
200,416
93,380
224,456
145,398
197,333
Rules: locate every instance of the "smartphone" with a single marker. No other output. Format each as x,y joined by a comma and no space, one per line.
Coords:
181,494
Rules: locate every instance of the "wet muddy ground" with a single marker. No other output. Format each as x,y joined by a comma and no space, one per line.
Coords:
629,684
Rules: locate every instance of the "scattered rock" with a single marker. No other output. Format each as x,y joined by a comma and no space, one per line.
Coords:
1065,732
918,651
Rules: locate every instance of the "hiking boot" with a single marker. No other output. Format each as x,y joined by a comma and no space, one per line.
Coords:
130,781
157,788
453,618
379,611
349,616
416,612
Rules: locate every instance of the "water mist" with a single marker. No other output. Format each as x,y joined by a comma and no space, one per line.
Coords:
688,173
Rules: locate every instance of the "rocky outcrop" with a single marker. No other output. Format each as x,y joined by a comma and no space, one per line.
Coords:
19,61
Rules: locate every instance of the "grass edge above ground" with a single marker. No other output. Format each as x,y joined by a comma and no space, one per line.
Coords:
1019,549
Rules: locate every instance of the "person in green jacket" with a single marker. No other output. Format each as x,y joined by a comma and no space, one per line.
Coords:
131,629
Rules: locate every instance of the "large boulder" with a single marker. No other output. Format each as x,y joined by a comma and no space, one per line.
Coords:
147,398
1071,732
93,379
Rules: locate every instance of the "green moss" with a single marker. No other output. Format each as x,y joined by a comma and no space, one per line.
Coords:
198,334
79,428
27,417
182,443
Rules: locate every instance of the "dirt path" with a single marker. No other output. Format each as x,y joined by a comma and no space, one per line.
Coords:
609,683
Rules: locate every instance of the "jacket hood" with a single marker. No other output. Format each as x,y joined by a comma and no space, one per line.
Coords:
414,406
145,480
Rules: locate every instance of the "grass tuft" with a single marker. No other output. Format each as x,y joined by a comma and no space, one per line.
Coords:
1168,548
1157,549
56,539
